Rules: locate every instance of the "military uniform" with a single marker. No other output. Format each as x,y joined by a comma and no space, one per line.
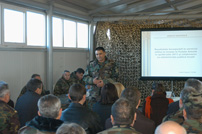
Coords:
9,122
106,71
192,102
75,79
193,126
177,117
120,129
62,86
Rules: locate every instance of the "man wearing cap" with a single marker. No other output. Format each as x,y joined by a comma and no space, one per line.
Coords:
192,110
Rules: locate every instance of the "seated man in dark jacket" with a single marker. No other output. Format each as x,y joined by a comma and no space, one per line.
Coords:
142,122
48,117
77,113
26,105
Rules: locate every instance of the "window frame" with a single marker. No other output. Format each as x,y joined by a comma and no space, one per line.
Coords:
76,21
24,10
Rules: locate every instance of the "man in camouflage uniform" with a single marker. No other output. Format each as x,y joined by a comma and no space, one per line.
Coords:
48,119
99,72
178,115
9,122
77,77
24,89
122,117
192,110
63,84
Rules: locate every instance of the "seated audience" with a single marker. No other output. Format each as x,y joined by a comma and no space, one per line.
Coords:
123,118
156,106
70,128
47,121
9,122
177,116
77,76
119,88
24,89
134,96
26,105
63,84
170,127
192,110
108,97
77,113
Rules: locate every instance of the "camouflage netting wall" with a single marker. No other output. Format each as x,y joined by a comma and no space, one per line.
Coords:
124,47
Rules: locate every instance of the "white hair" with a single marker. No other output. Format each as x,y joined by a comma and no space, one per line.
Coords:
49,106
71,128
3,89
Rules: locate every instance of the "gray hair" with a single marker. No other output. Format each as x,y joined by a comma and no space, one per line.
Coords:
71,128
49,106
3,89
122,112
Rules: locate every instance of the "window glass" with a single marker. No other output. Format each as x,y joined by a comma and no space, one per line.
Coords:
82,35
57,32
69,33
13,26
35,29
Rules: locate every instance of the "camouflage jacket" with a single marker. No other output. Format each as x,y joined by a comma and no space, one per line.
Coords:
41,125
24,89
192,126
106,71
75,79
62,86
176,116
9,121
120,129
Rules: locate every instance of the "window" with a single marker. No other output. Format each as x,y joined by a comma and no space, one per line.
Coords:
82,35
57,32
36,29
14,26
69,33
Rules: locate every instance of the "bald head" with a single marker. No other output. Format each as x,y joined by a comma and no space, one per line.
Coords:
170,127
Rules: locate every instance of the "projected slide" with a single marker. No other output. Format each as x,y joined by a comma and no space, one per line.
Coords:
172,53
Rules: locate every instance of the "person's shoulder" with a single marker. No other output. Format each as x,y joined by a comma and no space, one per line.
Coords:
7,110
93,63
28,130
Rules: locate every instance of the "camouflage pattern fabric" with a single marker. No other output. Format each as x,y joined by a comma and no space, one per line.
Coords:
177,117
62,87
9,121
122,129
75,79
193,101
24,90
193,126
106,71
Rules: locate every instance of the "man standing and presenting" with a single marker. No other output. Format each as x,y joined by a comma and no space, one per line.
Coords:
98,73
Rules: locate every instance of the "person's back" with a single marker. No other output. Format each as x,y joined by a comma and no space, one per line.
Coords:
156,106
77,113
159,105
123,118
26,105
47,121
108,96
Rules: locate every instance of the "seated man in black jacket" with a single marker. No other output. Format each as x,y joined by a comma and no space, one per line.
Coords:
77,113
142,122
48,117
